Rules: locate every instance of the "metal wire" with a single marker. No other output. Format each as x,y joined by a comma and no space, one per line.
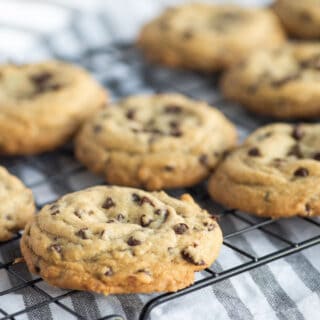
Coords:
149,79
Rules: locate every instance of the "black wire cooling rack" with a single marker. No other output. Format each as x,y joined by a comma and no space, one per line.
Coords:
121,69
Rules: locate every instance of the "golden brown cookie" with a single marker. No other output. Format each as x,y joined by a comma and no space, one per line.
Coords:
282,83
43,104
275,173
301,18
155,142
121,240
16,205
208,37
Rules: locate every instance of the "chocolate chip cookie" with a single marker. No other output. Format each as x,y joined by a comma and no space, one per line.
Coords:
121,240
275,173
154,142
43,104
300,18
16,205
282,83
208,37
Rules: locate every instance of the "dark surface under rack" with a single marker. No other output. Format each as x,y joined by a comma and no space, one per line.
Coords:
123,71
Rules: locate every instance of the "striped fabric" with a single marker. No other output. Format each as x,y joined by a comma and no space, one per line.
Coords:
83,32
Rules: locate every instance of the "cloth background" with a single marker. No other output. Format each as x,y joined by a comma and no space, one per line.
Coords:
85,32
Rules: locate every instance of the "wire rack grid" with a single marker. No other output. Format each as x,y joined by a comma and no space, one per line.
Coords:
122,70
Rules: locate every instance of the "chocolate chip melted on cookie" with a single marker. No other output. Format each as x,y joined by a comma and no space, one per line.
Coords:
44,82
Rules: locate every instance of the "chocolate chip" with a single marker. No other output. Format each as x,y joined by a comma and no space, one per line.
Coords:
109,272
254,152
130,114
263,136
210,226
316,156
173,109
279,160
136,198
102,234
163,212
301,172
214,217
295,151
203,159
191,259
188,34
141,200
110,221
170,250
180,228
55,247
168,168
54,208
37,269
308,208
133,242
266,196
120,217
176,133
146,200
109,203
41,78
145,220
297,132
79,213
53,87
305,16
41,82
97,129
82,233
285,80
252,88
173,124
313,62
145,271
153,131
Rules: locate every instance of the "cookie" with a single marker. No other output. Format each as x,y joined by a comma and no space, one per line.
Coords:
43,104
208,37
154,142
121,240
300,18
281,83
16,205
275,173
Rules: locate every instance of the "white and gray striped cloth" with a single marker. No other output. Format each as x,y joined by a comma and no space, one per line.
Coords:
84,32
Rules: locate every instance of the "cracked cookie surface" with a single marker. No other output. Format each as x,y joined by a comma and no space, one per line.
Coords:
282,83
208,37
300,18
16,205
154,142
275,173
110,239
43,104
